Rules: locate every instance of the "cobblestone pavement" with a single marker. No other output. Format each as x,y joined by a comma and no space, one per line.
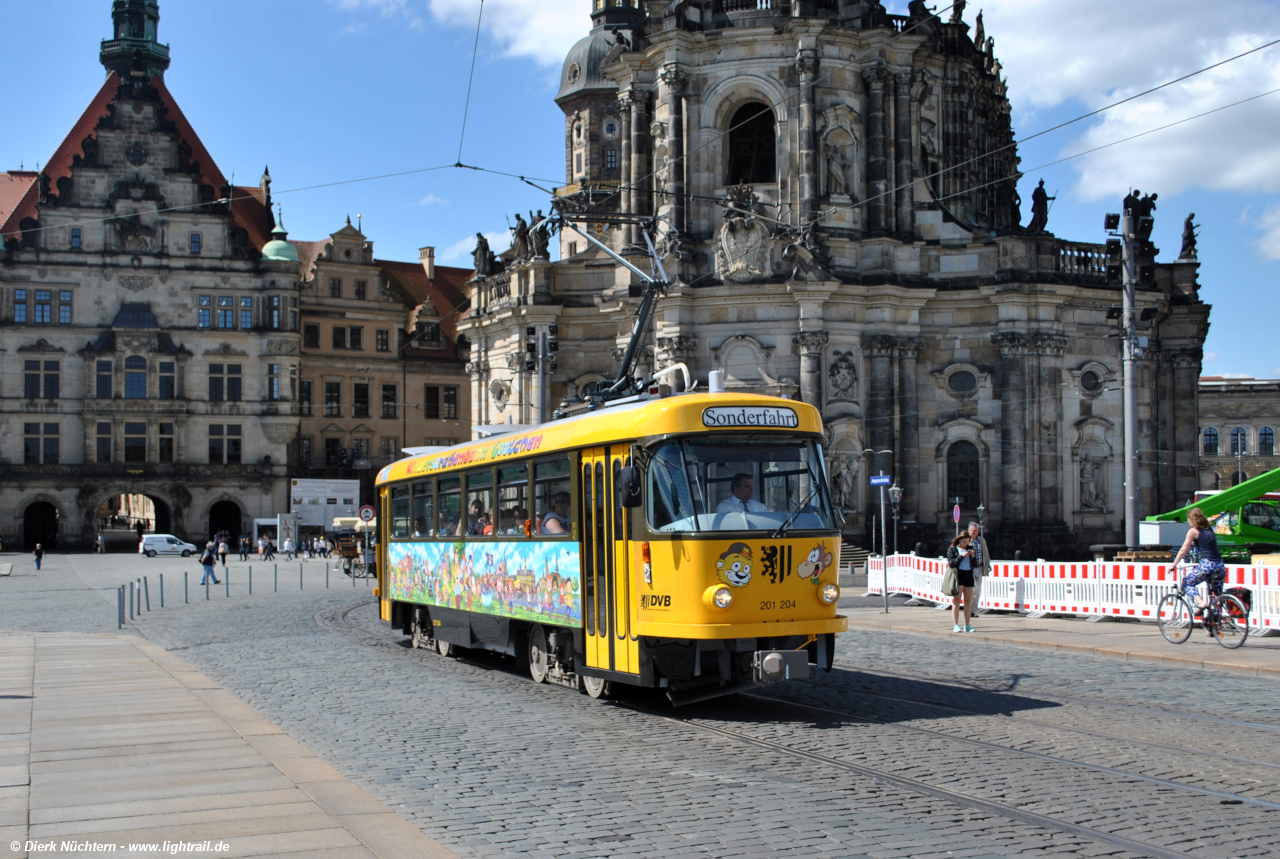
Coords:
489,764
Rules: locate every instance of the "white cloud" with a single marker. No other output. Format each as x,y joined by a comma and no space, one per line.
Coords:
430,199
1211,356
1055,56
499,241
1235,375
540,30
387,8
1269,242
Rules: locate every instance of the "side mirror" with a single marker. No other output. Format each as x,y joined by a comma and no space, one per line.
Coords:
629,486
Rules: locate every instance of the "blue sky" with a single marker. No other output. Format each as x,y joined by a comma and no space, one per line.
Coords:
332,90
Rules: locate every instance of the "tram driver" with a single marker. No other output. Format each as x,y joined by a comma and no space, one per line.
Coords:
742,496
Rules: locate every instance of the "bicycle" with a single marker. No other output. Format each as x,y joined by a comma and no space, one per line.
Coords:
1225,618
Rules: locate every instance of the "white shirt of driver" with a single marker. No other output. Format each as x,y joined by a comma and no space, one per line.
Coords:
734,504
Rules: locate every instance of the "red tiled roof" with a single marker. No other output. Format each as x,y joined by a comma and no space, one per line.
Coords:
15,186
308,253
443,291
248,207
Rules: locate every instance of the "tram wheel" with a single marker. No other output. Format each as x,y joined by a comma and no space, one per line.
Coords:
597,687
419,640
539,661
444,648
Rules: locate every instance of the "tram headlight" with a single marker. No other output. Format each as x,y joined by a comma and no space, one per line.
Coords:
717,596
829,593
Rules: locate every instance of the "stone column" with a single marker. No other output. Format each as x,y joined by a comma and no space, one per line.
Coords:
807,67
909,426
881,349
1013,419
877,166
1049,349
903,152
810,345
1183,404
626,103
674,80
639,162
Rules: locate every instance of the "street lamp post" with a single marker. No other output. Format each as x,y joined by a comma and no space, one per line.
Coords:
895,498
883,528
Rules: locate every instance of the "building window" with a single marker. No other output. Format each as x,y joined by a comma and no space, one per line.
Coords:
273,382
382,340
76,237
335,287
168,387
226,311
273,312
166,443
41,444
103,387
356,337
610,129
225,383
389,402
335,456
246,312
40,376
430,333
577,163
19,305
44,306
135,378
389,448
224,444
311,336
611,159
360,453
431,402
1238,441
205,303
333,399
1238,478
362,290
449,409
104,441
304,398
64,307
339,338
360,398
1211,442
752,146
1266,442
304,452
293,320
573,249
963,467
135,442
195,243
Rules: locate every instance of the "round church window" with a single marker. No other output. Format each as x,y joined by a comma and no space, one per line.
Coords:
1090,382
962,382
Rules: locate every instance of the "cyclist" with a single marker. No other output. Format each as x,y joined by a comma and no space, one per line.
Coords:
1210,568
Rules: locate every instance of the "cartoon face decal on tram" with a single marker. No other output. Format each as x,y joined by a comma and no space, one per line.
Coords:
734,566
819,559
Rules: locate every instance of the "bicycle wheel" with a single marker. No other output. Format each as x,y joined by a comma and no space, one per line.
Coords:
1233,623
1175,618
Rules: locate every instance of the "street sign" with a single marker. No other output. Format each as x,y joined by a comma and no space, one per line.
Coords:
367,513
881,479
955,514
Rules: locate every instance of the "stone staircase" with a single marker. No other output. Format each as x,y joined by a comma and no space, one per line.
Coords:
857,557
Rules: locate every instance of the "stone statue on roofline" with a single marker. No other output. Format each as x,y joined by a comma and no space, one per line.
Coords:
957,11
481,257
520,240
1189,227
1040,200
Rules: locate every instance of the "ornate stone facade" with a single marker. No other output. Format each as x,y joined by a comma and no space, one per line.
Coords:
841,224
1239,419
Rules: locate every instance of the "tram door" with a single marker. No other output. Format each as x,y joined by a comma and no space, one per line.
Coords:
606,574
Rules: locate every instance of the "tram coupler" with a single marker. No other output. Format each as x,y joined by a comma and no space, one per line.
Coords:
775,666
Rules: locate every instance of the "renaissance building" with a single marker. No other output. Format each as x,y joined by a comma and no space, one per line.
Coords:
841,223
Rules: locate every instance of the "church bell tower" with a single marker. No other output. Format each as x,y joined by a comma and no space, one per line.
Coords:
133,51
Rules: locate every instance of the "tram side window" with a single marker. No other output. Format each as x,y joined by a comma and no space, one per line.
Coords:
449,505
400,511
480,503
551,497
513,499
422,513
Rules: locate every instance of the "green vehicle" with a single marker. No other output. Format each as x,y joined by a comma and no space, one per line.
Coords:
1245,517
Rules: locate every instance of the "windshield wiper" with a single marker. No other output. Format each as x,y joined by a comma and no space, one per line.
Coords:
786,526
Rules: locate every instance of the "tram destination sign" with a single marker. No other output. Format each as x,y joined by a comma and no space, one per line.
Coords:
750,416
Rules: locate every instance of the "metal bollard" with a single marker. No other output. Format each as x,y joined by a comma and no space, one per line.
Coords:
353,578
226,579
137,596
275,578
162,590
146,590
326,577
120,607
130,600
299,576
251,581
186,588
206,588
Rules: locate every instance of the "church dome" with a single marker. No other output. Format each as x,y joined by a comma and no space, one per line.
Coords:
280,249
581,71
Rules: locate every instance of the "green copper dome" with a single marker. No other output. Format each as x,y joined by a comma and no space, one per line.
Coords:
280,249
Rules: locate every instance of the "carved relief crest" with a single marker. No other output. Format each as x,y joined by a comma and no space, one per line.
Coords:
136,284
842,377
500,394
742,252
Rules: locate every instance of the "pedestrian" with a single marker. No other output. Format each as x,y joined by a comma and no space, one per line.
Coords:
244,547
98,545
262,548
39,553
206,561
960,558
223,548
981,561
270,550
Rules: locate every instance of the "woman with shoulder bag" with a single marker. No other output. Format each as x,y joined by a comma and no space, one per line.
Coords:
207,561
960,558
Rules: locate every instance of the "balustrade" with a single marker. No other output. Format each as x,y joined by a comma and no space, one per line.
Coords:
1082,260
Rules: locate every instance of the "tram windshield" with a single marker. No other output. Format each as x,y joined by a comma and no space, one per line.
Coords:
738,484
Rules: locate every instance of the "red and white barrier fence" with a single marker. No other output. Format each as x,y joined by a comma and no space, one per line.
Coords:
1093,590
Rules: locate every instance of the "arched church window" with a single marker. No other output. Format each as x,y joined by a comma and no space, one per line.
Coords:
1267,441
1237,441
753,146
963,472
1211,442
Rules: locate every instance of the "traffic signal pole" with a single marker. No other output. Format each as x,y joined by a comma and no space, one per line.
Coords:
1129,321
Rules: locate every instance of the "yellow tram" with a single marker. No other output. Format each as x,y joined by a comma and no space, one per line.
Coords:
685,542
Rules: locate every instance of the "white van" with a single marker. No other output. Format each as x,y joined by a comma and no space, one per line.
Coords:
164,544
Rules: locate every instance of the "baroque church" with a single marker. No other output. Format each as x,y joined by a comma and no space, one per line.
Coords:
836,189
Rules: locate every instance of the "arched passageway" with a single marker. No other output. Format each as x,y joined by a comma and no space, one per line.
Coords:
225,516
40,525
121,519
